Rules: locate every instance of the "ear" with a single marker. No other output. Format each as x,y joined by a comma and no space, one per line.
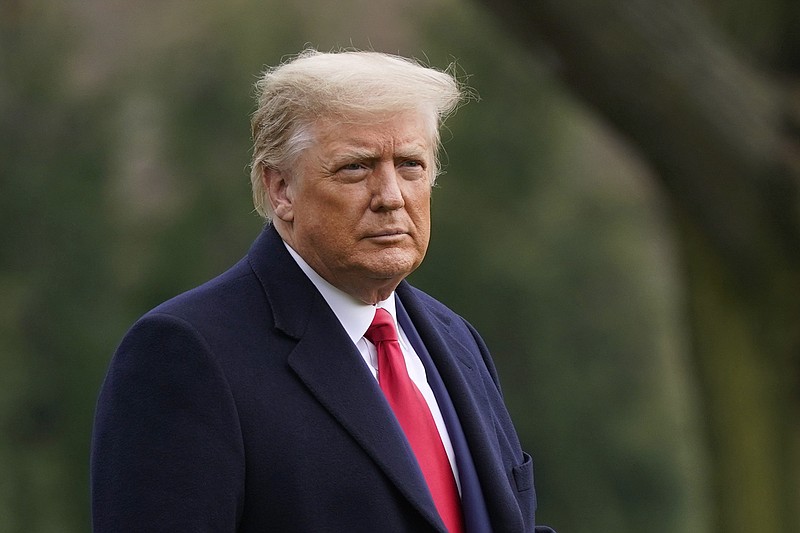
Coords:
280,196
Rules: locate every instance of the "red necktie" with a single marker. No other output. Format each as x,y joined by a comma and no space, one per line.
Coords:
415,418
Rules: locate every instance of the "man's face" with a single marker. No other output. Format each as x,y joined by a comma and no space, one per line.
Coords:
356,206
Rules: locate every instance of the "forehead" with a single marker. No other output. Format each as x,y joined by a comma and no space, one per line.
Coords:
397,132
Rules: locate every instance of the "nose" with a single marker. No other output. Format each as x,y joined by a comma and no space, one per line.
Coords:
386,192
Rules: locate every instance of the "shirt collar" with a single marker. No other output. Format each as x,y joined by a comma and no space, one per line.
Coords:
354,315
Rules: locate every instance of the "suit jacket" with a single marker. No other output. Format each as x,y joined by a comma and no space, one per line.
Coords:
242,405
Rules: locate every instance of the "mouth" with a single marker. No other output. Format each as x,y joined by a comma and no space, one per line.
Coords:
387,236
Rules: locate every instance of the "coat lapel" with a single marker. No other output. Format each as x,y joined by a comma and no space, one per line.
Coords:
330,366
467,389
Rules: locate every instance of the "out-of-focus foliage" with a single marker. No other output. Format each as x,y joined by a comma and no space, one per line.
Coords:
560,241
707,94
124,181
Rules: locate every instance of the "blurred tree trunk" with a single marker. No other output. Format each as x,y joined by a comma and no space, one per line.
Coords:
724,140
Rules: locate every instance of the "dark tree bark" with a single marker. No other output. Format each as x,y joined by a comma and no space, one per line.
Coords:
724,139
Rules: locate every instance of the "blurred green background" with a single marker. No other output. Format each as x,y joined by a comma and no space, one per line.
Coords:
124,153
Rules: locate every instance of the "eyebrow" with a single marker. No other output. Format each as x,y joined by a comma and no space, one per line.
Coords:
354,153
413,151
408,151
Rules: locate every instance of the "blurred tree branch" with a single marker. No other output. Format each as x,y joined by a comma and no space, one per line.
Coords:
724,139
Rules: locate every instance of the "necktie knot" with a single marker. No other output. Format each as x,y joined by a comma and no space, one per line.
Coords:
382,328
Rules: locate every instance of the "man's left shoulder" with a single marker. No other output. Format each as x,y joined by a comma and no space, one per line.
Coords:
417,301
412,296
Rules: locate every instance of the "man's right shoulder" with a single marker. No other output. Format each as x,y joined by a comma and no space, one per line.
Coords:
230,292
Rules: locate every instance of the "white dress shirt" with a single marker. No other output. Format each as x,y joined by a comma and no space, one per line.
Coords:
356,317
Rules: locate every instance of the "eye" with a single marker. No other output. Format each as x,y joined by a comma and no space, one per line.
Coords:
351,172
412,168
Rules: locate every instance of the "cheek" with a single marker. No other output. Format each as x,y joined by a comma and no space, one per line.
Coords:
421,210
426,232
334,229
422,223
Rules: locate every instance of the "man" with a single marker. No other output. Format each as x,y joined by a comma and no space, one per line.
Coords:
309,388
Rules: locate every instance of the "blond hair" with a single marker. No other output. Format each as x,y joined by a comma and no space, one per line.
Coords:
347,85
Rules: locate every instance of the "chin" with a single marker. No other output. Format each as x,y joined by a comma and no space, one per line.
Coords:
389,270
390,263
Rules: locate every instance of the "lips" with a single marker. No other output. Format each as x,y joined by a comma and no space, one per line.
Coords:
387,237
386,233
